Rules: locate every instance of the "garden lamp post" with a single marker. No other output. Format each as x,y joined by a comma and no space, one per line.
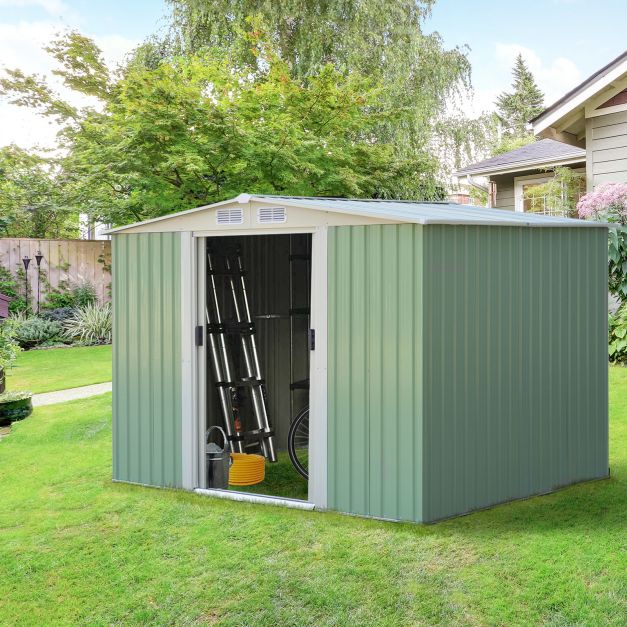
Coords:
26,262
38,258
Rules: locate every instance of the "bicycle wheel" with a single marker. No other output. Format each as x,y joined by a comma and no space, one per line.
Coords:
298,442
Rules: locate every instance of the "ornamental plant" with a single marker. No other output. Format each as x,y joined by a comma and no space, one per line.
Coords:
618,335
608,203
8,346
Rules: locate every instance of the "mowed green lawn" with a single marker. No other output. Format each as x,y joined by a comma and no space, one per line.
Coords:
60,368
77,548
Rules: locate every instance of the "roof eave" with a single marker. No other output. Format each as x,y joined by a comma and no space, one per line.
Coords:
576,97
522,166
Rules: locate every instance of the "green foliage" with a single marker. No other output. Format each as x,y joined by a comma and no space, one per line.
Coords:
61,314
525,101
382,39
199,130
559,195
507,142
273,112
84,293
31,197
9,287
9,349
618,335
20,395
31,331
617,255
70,296
90,325
58,298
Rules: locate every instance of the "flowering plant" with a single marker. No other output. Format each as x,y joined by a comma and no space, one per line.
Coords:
608,202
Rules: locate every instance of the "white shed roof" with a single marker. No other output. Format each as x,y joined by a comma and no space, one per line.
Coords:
399,211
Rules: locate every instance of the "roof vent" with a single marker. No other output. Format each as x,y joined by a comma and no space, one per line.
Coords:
271,215
230,215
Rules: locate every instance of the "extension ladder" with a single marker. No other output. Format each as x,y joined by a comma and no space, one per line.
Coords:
227,382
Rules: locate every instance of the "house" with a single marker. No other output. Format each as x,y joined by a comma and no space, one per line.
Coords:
586,130
442,375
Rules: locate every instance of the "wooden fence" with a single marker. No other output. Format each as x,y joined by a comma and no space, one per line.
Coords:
65,263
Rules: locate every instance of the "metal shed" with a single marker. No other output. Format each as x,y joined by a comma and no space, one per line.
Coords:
460,355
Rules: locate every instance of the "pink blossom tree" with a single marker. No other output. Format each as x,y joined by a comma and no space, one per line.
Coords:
608,203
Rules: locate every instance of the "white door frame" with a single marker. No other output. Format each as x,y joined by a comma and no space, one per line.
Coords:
195,376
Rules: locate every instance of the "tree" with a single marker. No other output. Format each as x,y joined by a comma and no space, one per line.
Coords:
200,128
525,101
31,203
382,39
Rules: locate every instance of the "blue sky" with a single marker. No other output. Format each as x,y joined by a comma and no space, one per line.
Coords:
563,41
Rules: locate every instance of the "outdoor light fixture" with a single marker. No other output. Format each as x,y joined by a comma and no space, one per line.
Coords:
26,261
38,258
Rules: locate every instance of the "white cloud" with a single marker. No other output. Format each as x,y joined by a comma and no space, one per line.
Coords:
21,46
53,7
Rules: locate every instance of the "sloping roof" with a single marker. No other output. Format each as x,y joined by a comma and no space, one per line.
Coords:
398,211
545,152
599,74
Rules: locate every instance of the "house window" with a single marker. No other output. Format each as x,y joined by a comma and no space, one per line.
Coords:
531,195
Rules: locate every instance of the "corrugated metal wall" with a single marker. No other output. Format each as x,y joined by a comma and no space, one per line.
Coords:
515,340
147,358
467,366
375,370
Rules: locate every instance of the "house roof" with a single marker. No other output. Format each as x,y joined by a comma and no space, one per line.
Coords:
618,61
610,76
543,153
396,211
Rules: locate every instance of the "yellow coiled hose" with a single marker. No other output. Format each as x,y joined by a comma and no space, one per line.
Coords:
247,469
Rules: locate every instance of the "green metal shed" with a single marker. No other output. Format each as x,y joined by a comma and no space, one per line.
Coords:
460,354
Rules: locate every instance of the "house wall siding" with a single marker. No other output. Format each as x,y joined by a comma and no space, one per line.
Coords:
515,353
375,370
607,144
147,338
504,191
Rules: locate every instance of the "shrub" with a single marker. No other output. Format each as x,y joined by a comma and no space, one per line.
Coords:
90,325
61,314
58,300
618,335
608,202
33,331
9,287
80,295
15,406
8,346
84,294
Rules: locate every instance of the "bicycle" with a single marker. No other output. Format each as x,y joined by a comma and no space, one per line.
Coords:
298,442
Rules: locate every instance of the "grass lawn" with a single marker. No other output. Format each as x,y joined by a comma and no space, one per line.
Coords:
60,368
77,548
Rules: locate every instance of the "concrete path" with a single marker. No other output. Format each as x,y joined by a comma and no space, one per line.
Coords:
71,394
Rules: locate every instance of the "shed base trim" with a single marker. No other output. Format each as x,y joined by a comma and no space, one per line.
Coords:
256,498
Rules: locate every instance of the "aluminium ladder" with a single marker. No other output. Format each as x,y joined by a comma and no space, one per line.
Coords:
226,382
